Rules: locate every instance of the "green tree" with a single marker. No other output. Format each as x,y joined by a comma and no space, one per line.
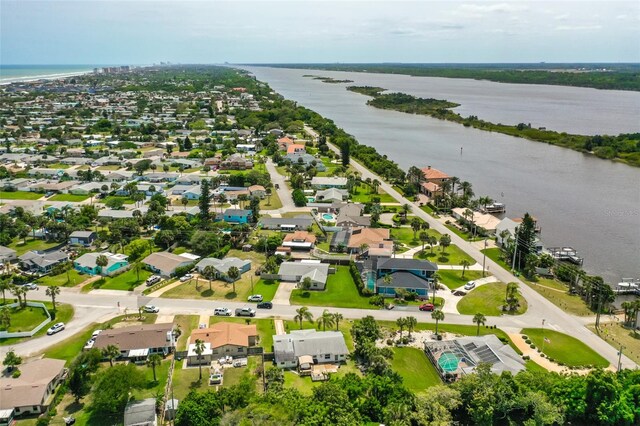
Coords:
345,153
479,319
233,273
525,240
11,360
411,323
153,361
306,283
275,379
210,273
511,296
102,261
401,323
52,292
5,318
303,314
326,319
113,387
204,201
111,352
437,315
416,225
201,409
465,264
337,317
424,238
199,350
445,241
5,285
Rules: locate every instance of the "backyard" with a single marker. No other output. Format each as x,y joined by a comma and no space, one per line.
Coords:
69,278
488,299
452,255
404,235
415,369
19,195
564,349
69,197
21,247
271,202
340,292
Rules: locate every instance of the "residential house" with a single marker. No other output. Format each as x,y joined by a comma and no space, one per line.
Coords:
487,222
284,143
235,216
296,148
434,175
87,264
222,339
298,271
82,238
300,240
87,188
510,227
350,214
193,193
413,275
257,191
332,195
307,160
322,346
31,392
370,240
165,263
157,152
7,255
42,262
115,214
222,266
324,182
236,162
287,224
139,341
141,413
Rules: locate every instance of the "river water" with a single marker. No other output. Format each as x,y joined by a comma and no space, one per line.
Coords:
579,200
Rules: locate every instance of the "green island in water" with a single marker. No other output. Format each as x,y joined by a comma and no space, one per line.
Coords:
623,147
327,79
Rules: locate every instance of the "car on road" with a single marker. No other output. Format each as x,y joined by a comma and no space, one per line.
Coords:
225,312
245,312
55,328
427,307
31,286
150,309
470,285
153,279
264,305
186,278
276,186
255,298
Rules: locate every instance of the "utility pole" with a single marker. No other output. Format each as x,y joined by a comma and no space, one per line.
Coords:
484,256
620,358
543,340
599,306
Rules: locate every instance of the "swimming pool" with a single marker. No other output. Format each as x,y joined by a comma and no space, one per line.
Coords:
448,361
328,216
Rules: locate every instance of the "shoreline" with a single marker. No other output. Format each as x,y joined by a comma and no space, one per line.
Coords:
32,78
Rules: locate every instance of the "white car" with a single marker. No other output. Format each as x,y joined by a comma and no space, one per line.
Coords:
153,279
95,334
255,298
31,286
470,285
56,328
150,309
186,278
225,312
215,378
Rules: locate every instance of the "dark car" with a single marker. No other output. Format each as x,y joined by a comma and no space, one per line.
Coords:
264,305
426,307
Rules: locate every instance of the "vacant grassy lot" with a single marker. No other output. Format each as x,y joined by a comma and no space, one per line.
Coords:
453,255
69,197
564,349
25,319
340,292
615,334
126,281
404,235
19,195
415,368
364,194
454,279
488,300
557,294
271,202
66,279
222,290
495,254
186,323
22,247
125,200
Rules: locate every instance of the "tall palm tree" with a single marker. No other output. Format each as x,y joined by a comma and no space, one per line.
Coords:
337,317
5,285
437,316
416,224
111,352
52,292
102,261
479,319
511,295
209,272
465,264
454,181
199,350
375,184
406,208
424,237
401,323
153,361
234,274
433,241
303,314
411,323
326,319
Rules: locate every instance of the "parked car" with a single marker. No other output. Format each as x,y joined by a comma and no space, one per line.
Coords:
245,312
31,286
150,309
389,306
215,378
264,305
56,328
94,335
185,278
225,312
255,298
427,307
153,279
276,186
470,285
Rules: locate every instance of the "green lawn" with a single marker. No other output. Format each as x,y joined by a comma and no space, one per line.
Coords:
221,290
557,294
233,376
19,195
454,279
495,254
452,255
271,203
57,166
27,318
462,234
564,349
21,247
69,197
62,280
151,388
125,200
404,235
340,292
305,385
415,369
615,334
187,379
111,167
488,299
186,323
126,281
361,194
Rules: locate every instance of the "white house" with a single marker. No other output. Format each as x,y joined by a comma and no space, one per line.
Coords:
321,346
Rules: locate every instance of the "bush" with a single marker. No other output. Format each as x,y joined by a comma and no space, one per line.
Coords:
16,373
525,337
528,342
526,357
532,346
390,342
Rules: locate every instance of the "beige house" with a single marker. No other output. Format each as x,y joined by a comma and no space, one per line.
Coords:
222,339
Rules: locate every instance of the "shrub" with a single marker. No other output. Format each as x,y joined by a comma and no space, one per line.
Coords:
532,346
528,342
16,373
524,337
526,357
390,342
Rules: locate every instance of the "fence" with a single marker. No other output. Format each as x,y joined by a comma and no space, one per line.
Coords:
7,334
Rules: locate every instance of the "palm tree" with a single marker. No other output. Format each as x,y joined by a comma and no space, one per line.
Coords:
184,202
511,296
387,280
438,316
406,208
445,241
209,272
432,242
152,361
5,285
199,350
416,224
5,318
102,261
424,237
480,320
111,352
411,323
53,291
401,323
465,264
326,319
234,274
303,314
337,317
375,184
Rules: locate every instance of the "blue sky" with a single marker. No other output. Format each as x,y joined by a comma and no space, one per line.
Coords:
144,32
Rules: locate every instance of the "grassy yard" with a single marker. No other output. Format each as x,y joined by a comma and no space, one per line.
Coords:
186,323
65,279
271,203
22,247
454,279
340,292
151,388
187,379
57,166
452,255
27,318
126,281
415,369
69,197
305,385
462,234
615,334
563,348
19,195
362,194
111,167
125,200
561,298
404,235
495,254
488,300
221,290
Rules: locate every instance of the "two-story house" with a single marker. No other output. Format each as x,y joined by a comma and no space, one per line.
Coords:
413,275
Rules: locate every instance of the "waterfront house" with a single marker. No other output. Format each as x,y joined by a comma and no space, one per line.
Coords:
222,266
434,175
86,264
322,347
222,339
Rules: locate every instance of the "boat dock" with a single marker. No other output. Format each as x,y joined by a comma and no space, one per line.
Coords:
567,254
628,286
495,208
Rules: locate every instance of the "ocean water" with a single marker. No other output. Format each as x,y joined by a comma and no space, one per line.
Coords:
10,73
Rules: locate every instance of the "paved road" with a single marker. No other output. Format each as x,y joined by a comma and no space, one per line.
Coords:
283,191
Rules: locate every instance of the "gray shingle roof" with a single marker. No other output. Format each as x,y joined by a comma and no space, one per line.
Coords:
407,264
404,280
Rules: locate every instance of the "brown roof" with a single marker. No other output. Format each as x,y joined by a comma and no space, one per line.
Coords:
298,236
31,387
430,186
431,173
142,336
368,236
225,333
285,140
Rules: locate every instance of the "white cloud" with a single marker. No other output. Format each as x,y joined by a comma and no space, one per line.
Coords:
578,27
